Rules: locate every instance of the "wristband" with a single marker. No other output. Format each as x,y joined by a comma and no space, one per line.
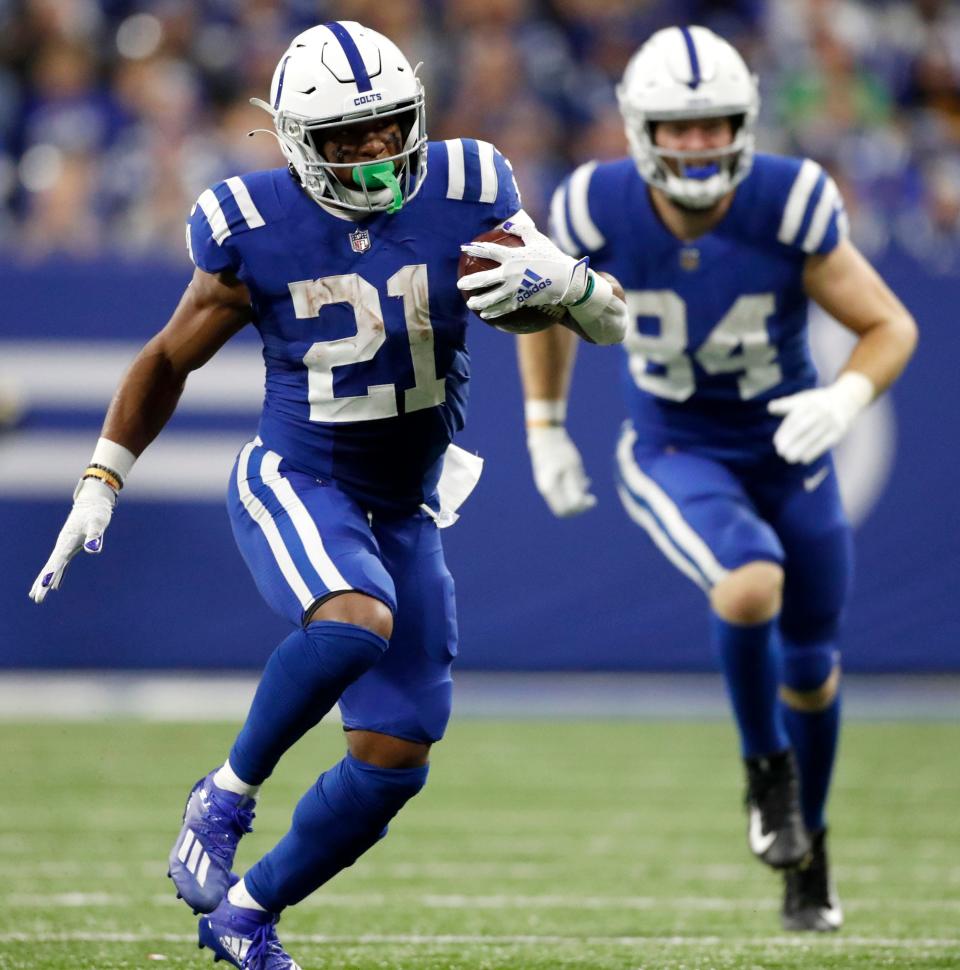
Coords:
114,458
588,291
542,413
581,281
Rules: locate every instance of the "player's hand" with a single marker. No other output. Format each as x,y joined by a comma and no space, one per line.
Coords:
534,274
93,504
558,471
816,420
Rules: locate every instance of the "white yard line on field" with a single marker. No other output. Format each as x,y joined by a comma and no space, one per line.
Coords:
73,900
398,939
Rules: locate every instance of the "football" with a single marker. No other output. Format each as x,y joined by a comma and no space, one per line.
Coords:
526,319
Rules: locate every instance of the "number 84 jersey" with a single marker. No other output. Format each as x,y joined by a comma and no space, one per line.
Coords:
362,324
720,323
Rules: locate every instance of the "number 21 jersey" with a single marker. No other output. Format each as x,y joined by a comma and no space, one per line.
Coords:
362,324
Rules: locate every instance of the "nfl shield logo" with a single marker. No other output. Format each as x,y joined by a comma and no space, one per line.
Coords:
360,240
690,259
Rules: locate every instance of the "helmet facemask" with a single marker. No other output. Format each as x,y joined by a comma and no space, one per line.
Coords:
383,184
692,179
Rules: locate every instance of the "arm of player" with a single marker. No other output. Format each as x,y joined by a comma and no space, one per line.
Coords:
212,309
596,306
546,365
849,289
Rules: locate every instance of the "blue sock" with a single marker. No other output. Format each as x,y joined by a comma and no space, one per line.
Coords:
336,821
750,661
810,700
302,680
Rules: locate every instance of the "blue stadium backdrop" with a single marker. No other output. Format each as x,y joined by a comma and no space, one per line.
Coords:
170,589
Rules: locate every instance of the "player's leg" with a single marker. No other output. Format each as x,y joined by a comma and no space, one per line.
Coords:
817,539
699,515
745,605
341,638
316,562
392,715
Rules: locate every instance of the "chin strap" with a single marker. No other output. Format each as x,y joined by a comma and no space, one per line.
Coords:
380,176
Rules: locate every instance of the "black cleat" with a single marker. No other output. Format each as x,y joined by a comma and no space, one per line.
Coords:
775,832
810,901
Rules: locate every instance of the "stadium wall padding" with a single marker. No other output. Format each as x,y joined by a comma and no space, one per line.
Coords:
170,589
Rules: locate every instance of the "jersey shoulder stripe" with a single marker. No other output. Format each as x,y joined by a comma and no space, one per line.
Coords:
827,207
471,170
229,208
232,207
572,225
798,201
813,217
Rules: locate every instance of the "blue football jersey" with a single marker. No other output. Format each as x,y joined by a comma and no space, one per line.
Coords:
362,323
720,323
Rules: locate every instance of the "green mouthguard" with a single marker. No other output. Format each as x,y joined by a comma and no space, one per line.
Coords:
380,176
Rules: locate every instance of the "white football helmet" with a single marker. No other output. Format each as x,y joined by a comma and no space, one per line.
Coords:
337,74
687,73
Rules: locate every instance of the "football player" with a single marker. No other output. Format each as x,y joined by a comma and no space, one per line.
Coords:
345,260
725,457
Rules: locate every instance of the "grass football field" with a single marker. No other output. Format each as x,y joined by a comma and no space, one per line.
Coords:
604,845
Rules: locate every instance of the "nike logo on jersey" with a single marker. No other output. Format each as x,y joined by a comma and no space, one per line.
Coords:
530,284
759,843
812,483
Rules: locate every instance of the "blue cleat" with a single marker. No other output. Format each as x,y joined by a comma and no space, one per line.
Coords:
247,938
201,858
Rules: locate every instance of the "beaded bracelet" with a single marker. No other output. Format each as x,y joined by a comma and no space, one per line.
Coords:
106,475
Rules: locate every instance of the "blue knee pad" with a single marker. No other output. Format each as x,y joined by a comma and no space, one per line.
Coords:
806,668
328,652
302,680
415,709
336,821
358,792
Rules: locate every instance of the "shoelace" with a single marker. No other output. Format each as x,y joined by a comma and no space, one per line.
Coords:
237,818
264,948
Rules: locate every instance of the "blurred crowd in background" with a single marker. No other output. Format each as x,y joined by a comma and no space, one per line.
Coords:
116,114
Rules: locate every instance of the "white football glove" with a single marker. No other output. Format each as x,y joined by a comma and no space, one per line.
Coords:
93,505
534,274
558,471
817,419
